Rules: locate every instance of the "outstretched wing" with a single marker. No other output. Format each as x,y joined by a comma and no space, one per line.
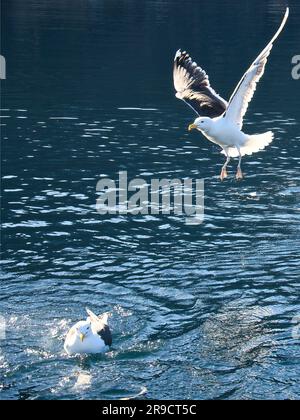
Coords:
100,327
241,97
192,86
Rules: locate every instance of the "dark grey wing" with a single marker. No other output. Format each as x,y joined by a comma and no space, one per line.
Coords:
100,327
192,86
105,334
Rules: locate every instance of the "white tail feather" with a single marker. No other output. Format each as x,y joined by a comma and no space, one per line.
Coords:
254,144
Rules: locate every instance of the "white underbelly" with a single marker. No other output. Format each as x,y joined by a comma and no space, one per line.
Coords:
227,138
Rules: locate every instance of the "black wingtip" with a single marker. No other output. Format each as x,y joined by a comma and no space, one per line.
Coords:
106,336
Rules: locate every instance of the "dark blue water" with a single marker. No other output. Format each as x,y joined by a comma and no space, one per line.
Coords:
197,311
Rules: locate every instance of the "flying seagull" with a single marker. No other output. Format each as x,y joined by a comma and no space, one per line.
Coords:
90,336
219,121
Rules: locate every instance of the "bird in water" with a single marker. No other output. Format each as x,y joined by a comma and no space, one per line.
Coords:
90,336
219,121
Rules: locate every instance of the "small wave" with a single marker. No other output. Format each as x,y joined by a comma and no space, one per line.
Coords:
137,109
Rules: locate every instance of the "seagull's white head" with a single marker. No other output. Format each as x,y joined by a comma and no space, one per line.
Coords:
201,124
83,330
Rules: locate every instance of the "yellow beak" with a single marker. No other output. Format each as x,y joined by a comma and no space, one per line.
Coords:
192,127
82,337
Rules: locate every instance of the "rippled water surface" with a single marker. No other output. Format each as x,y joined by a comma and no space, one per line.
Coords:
200,312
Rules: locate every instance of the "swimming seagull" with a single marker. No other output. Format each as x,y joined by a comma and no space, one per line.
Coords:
219,121
90,336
